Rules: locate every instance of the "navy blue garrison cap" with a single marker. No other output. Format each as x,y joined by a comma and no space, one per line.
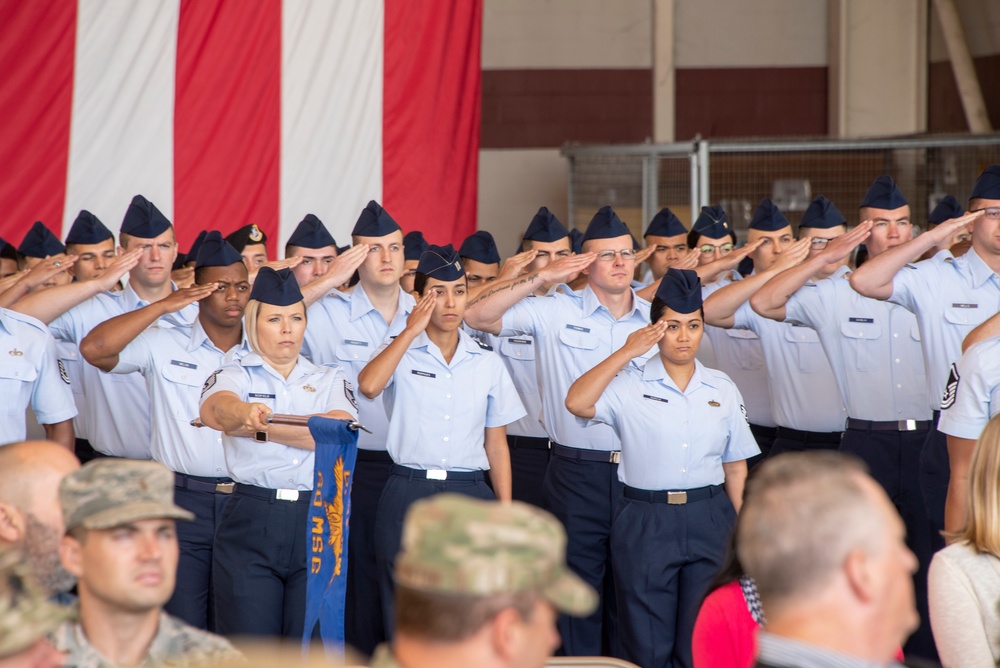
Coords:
278,288
248,235
311,233
605,225
40,242
6,250
374,221
414,245
216,252
480,247
545,227
822,214
576,239
712,222
665,224
946,209
767,217
680,290
88,229
988,184
441,262
144,220
196,244
884,194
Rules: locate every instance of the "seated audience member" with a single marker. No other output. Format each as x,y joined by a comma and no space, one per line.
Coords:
480,583
121,544
26,617
31,522
826,548
964,578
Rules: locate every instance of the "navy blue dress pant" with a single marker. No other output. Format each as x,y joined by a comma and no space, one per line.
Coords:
935,473
529,458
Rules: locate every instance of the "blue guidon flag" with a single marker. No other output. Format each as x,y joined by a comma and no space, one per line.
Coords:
326,533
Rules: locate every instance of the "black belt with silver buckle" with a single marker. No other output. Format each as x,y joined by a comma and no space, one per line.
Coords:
290,495
436,474
673,497
579,454
890,425
202,484
809,436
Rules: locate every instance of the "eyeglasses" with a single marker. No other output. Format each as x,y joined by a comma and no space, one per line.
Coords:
819,242
609,255
708,249
992,213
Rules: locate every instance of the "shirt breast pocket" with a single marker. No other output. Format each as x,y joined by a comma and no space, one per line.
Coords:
16,382
861,346
518,349
184,383
966,318
749,355
353,355
578,339
805,349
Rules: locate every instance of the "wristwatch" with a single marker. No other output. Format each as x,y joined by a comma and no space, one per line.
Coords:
260,437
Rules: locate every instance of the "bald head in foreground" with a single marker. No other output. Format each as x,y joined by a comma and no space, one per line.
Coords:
826,548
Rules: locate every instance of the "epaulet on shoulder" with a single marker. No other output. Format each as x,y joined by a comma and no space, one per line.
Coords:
484,346
26,319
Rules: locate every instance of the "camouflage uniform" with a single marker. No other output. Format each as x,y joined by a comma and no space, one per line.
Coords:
25,615
175,644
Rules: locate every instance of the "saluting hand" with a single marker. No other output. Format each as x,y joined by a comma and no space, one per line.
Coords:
796,252
643,254
566,268
689,260
841,247
420,316
183,277
731,261
47,268
178,299
344,265
944,232
122,264
277,265
641,340
255,417
514,266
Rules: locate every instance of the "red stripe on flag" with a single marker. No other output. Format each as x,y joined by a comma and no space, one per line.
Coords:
227,117
37,49
430,119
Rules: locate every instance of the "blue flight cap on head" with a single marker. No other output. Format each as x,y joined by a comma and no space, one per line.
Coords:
767,217
480,247
712,222
414,245
441,262
545,227
374,221
216,252
884,194
665,224
144,220
40,242
987,185
311,233
680,290
248,235
822,214
88,229
946,209
278,288
576,239
605,225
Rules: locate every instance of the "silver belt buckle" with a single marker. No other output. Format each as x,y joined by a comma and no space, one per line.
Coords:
287,494
907,425
677,498
225,488
615,456
437,474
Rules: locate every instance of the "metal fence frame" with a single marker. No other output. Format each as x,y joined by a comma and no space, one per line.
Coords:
699,152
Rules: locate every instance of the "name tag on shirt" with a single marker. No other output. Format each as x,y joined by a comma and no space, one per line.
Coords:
255,395
523,342
578,328
425,374
356,343
861,319
965,305
660,399
186,365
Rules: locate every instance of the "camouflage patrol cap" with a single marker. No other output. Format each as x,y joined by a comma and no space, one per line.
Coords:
107,493
26,616
454,544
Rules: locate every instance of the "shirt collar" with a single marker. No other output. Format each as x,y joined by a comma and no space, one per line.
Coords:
653,370
361,303
978,269
303,367
199,338
592,304
781,651
466,346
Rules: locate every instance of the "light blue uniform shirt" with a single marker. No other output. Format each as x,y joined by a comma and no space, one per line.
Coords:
345,329
175,363
73,363
573,333
30,373
438,411
308,390
115,414
975,386
518,355
804,392
673,439
739,355
873,348
950,297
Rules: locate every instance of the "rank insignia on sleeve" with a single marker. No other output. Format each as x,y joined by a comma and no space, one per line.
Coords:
349,393
951,389
746,416
62,372
210,382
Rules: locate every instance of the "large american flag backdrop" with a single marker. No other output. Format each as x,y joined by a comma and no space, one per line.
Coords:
227,112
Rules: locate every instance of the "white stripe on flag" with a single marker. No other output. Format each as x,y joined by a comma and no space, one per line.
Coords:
122,134
331,112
